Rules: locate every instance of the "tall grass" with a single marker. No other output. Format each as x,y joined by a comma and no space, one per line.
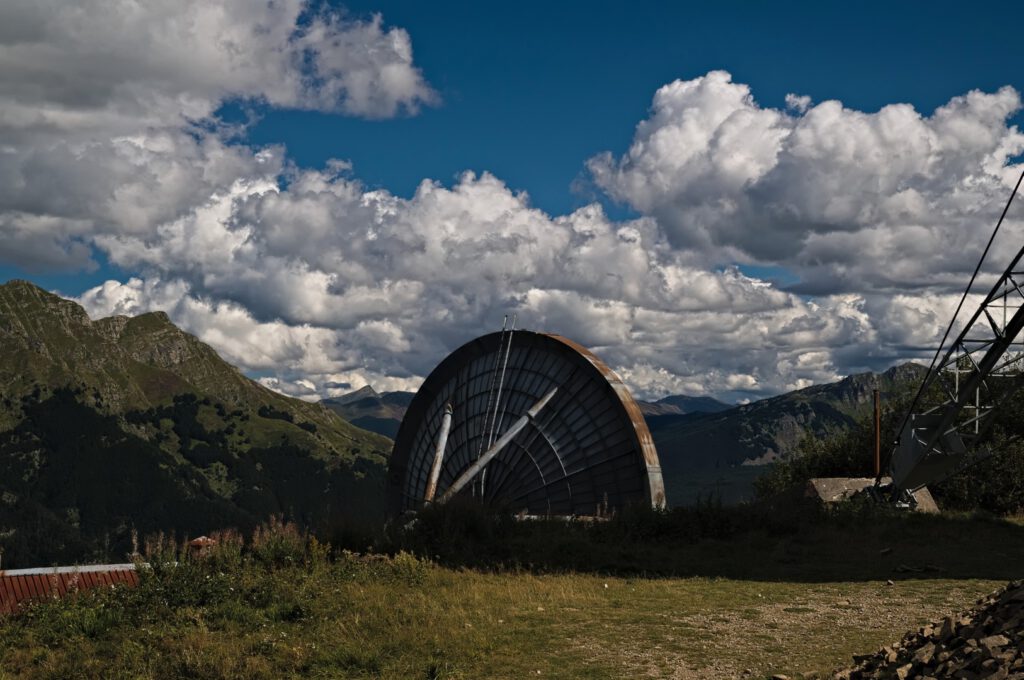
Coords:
463,533
552,595
705,540
281,603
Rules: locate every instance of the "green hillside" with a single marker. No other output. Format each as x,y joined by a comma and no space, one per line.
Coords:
130,423
725,452
769,429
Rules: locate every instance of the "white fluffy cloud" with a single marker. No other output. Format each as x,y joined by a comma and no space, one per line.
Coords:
112,66
307,360
847,200
326,278
316,284
106,107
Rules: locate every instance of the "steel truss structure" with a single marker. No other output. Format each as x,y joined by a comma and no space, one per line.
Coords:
955,404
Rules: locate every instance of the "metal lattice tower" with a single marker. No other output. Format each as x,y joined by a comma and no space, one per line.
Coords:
980,370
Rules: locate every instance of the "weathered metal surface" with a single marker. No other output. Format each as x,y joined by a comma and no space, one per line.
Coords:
442,444
636,418
831,490
476,468
20,586
589,447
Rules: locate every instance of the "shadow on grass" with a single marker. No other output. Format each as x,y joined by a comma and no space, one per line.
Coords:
780,540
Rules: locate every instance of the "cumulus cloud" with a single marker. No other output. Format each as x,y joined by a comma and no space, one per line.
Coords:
331,282
106,108
849,201
110,66
316,284
799,103
308,361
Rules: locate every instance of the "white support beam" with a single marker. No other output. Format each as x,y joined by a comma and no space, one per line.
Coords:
442,442
473,470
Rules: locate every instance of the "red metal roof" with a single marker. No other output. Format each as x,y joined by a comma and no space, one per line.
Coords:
23,585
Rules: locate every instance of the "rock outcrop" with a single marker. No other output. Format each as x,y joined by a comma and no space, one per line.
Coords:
986,642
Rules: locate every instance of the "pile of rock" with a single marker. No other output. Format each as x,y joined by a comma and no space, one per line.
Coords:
986,642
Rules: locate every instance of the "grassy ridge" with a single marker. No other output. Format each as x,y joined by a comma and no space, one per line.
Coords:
124,365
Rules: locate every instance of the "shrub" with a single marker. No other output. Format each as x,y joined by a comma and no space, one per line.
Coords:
318,555
403,567
173,576
227,551
277,543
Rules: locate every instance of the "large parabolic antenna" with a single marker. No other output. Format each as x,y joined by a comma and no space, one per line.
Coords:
582,447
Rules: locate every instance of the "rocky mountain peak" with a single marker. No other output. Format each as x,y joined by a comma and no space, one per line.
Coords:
362,393
51,340
20,299
112,327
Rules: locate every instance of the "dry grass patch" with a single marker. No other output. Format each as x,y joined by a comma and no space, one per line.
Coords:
357,619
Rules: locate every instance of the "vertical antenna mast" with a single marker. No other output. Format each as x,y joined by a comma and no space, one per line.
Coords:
501,381
498,414
486,437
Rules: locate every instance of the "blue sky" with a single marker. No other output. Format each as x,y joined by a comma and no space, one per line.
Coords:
855,203
532,89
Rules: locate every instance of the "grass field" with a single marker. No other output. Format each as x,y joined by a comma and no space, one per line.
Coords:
802,604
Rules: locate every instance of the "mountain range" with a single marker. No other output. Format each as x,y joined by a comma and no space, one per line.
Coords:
705,444
123,425
365,408
681,405
129,425
701,432
725,451
383,412
766,430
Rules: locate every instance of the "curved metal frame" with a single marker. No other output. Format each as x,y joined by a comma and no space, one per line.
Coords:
589,444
